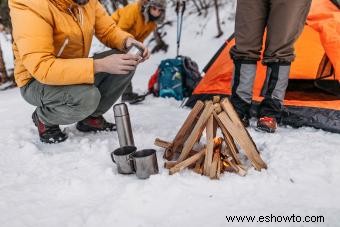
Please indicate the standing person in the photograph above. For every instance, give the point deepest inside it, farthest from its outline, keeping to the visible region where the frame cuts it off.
(284, 21)
(139, 19)
(52, 39)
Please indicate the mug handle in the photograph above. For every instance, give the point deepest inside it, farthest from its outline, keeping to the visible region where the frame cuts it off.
(130, 158)
(113, 159)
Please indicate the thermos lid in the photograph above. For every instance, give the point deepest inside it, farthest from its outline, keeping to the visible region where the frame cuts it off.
(120, 109)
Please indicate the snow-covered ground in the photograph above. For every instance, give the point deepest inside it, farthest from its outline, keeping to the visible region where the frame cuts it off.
(75, 183)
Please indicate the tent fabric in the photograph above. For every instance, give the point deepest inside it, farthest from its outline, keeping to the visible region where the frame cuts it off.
(318, 45)
(295, 116)
(324, 17)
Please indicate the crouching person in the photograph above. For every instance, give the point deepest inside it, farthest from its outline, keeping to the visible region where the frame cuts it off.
(52, 40)
(140, 19)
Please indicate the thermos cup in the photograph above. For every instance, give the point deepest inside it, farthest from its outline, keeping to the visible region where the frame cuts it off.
(123, 125)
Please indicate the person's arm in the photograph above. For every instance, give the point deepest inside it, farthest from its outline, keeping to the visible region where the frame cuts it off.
(107, 31)
(33, 35)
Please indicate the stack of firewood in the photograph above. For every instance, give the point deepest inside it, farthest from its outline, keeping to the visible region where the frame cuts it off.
(219, 153)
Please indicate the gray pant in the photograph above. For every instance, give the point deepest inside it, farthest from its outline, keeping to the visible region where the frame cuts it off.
(62, 105)
(128, 89)
(284, 20)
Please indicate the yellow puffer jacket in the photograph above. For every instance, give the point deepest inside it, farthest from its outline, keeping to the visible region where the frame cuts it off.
(52, 39)
(130, 19)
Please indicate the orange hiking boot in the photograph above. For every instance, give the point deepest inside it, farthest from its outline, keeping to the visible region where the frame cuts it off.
(267, 124)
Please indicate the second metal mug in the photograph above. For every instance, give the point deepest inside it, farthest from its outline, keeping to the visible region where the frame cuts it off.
(145, 163)
(123, 160)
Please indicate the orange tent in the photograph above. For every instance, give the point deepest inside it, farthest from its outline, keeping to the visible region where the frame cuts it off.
(313, 95)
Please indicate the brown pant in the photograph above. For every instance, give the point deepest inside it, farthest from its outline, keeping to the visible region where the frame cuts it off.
(284, 20)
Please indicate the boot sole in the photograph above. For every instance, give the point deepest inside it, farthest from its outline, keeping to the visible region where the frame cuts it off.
(51, 141)
(44, 140)
(264, 129)
(84, 128)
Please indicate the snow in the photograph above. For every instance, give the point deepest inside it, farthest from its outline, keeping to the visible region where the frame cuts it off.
(75, 183)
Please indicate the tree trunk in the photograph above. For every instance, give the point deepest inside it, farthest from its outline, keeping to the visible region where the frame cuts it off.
(3, 72)
(219, 30)
(5, 20)
(197, 7)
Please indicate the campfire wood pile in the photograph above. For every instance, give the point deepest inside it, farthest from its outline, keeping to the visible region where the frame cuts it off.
(219, 154)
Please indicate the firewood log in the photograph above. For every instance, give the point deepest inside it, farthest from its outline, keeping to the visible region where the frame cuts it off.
(199, 127)
(162, 143)
(216, 99)
(243, 141)
(214, 164)
(169, 164)
(182, 165)
(228, 138)
(217, 108)
(231, 121)
(210, 145)
(199, 165)
(187, 127)
(237, 169)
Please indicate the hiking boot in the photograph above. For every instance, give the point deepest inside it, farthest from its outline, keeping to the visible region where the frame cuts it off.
(47, 133)
(94, 124)
(267, 124)
(132, 98)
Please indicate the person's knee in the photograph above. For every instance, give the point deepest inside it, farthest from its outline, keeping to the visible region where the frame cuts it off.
(87, 101)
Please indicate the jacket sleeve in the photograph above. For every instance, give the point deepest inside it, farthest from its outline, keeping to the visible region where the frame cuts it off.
(33, 35)
(107, 31)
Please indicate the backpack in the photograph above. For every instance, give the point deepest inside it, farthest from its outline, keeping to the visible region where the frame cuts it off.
(175, 78)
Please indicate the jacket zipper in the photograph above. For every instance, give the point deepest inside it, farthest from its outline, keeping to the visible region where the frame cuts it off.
(63, 47)
(79, 18)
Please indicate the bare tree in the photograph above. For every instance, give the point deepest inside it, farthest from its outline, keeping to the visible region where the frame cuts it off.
(219, 29)
(3, 72)
(198, 8)
(5, 23)
(5, 19)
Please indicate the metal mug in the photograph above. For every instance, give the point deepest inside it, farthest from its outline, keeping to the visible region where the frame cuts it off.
(145, 163)
(122, 157)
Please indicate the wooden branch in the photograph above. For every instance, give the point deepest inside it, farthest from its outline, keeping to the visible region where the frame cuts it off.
(229, 109)
(215, 126)
(182, 165)
(214, 164)
(169, 164)
(210, 145)
(185, 130)
(217, 108)
(244, 141)
(228, 139)
(216, 99)
(199, 127)
(237, 168)
(219, 169)
(162, 143)
(188, 126)
(199, 165)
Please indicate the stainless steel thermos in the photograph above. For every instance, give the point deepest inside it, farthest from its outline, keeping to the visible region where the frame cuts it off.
(123, 124)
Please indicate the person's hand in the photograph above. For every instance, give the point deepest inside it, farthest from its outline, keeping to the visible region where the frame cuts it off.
(146, 53)
(116, 64)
